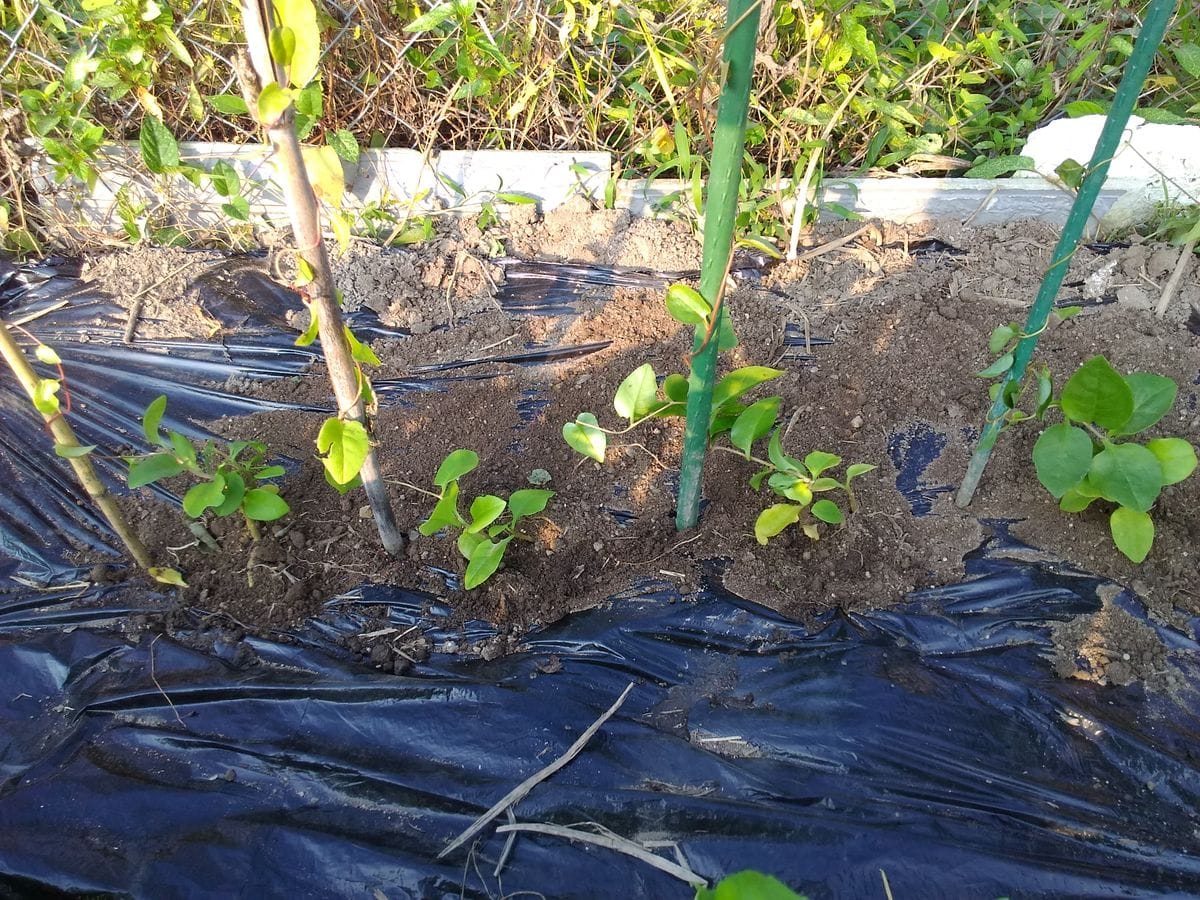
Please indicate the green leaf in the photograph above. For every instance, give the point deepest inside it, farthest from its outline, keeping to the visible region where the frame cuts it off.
(310, 333)
(1175, 456)
(45, 396)
(431, 19)
(149, 469)
(152, 420)
(1000, 165)
(739, 381)
(228, 104)
(300, 16)
(166, 575)
(828, 511)
(235, 492)
(73, 451)
(675, 387)
(1188, 57)
(584, 436)
(1076, 499)
(1001, 337)
(1096, 393)
(791, 487)
(1127, 474)
(819, 485)
(1045, 392)
(1153, 395)
(686, 306)
(818, 461)
(752, 424)
(445, 513)
(778, 458)
(47, 355)
(528, 502)
(360, 351)
(225, 179)
(263, 505)
(343, 446)
(485, 560)
(270, 472)
(203, 495)
(756, 479)
(1132, 532)
(1084, 108)
(1071, 173)
(467, 542)
(272, 102)
(856, 469)
(1062, 457)
(772, 520)
(185, 450)
(282, 42)
(160, 151)
(238, 209)
(344, 145)
(638, 393)
(999, 367)
(455, 466)
(485, 510)
(748, 885)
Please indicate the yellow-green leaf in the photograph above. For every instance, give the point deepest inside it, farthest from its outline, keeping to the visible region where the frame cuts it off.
(301, 17)
(165, 575)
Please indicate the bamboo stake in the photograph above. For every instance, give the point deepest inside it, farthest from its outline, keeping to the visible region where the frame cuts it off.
(720, 211)
(1154, 25)
(65, 435)
(304, 215)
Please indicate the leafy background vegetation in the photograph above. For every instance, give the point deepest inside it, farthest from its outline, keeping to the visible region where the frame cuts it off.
(913, 86)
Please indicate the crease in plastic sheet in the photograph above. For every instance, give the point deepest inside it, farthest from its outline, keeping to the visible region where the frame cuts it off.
(931, 741)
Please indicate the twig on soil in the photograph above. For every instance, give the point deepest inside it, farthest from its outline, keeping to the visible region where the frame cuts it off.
(520, 791)
(610, 842)
(673, 548)
(138, 300)
(832, 245)
(154, 678)
(1168, 293)
(494, 344)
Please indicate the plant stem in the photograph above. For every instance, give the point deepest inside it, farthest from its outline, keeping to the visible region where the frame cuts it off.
(740, 455)
(65, 435)
(720, 211)
(304, 216)
(1154, 25)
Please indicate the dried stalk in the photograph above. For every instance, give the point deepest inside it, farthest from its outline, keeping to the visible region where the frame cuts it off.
(65, 435)
(304, 215)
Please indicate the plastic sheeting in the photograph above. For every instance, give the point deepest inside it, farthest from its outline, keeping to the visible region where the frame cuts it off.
(932, 741)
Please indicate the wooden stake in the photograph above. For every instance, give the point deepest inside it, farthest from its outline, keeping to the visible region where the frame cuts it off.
(304, 215)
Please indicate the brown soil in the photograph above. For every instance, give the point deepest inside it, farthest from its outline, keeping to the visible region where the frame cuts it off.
(908, 323)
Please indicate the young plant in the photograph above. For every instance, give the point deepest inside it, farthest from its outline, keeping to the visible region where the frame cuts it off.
(483, 539)
(1089, 457)
(800, 482)
(231, 478)
(640, 398)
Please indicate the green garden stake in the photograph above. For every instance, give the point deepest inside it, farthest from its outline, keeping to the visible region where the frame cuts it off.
(720, 210)
(1154, 26)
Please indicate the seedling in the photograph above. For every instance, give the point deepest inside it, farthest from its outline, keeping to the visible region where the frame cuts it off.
(640, 398)
(1088, 457)
(1002, 344)
(484, 538)
(232, 477)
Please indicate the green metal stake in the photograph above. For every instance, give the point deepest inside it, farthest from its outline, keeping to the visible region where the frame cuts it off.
(720, 210)
(1153, 27)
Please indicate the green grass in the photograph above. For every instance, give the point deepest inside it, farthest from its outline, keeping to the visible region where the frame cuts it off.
(915, 86)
